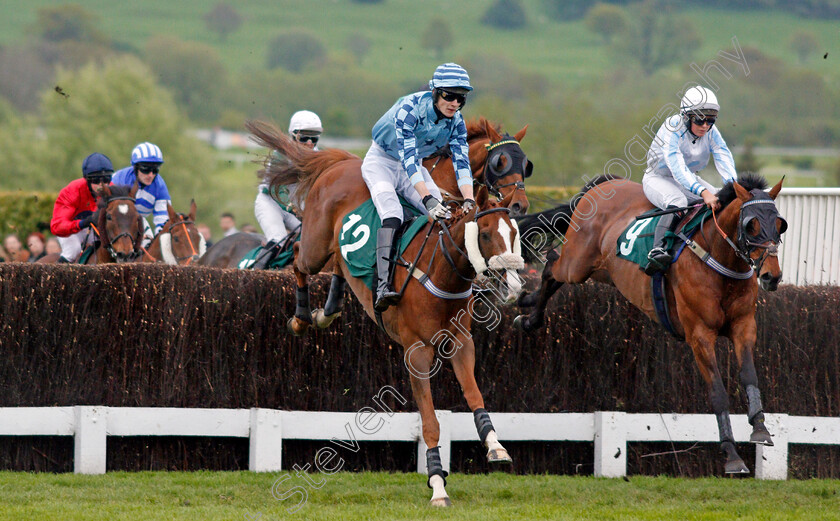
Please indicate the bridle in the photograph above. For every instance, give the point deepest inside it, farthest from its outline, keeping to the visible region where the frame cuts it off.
(509, 149)
(168, 229)
(744, 245)
(445, 232)
(136, 241)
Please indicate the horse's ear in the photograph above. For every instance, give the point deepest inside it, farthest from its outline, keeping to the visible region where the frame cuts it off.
(519, 135)
(741, 192)
(776, 189)
(192, 210)
(134, 189)
(490, 131)
(105, 191)
(171, 212)
(481, 197)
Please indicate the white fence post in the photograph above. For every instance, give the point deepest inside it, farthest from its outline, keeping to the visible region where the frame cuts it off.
(772, 462)
(265, 451)
(610, 444)
(90, 439)
(445, 442)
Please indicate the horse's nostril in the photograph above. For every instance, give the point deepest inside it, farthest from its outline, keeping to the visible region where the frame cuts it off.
(766, 276)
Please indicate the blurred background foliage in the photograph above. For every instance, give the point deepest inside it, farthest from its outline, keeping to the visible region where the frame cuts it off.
(586, 77)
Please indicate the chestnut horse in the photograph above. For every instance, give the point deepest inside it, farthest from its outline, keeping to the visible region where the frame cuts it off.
(709, 300)
(504, 175)
(119, 228)
(178, 242)
(468, 244)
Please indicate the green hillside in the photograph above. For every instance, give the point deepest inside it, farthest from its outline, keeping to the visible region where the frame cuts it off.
(565, 52)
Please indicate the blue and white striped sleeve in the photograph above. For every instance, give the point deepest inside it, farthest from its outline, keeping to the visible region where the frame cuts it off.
(404, 123)
(676, 164)
(461, 153)
(162, 199)
(724, 162)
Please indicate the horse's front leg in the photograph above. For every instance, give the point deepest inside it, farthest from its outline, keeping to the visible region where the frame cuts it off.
(335, 302)
(298, 324)
(419, 357)
(463, 362)
(702, 342)
(548, 287)
(743, 336)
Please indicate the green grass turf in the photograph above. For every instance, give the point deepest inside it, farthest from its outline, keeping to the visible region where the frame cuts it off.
(212, 496)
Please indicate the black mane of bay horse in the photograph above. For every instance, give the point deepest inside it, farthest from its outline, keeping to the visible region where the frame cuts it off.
(704, 303)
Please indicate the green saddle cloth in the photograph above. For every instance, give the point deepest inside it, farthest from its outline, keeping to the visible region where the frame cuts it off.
(87, 253)
(283, 259)
(358, 238)
(636, 241)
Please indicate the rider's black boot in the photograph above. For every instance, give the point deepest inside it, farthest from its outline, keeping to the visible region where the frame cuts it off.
(267, 254)
(385, 294)
(659, 256)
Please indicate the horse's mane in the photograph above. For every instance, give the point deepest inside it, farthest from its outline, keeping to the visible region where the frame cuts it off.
(116, 191)
(750, 181)
(476, 130)
(303, 166)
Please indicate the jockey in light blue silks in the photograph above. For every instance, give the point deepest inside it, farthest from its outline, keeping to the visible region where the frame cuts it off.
(416, 126)
(274, 212)
(681, 148)
(152, 196)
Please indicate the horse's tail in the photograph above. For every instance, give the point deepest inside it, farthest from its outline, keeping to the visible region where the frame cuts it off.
(302, 165)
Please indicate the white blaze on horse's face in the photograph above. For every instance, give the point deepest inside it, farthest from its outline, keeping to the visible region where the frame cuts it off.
(508, 261)
(122, 208)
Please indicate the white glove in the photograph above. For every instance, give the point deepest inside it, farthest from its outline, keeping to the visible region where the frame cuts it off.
(435, 208)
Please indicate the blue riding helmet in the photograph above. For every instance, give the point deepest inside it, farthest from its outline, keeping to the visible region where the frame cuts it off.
(146, 153)
(450, 75)
(95, 164)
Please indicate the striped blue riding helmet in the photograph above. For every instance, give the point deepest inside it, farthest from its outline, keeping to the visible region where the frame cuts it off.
(450, 75)
(146, 153)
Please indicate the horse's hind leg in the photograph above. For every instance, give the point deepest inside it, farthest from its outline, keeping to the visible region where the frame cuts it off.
(463, 362)
(298, 324)
(702, 342)
(743, 337)
(548, 287)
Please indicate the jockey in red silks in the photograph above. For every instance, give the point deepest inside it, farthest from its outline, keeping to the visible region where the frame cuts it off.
(75, 207)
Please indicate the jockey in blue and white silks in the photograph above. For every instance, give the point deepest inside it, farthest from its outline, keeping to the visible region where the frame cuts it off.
(152, 196)
(682, 148)
(414, 127)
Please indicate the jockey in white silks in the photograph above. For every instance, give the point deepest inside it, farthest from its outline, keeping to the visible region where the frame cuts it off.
(681, 148)
(274, 212)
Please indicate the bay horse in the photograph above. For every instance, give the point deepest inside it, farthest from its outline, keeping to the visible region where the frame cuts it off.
(178, 242)
(333, 184)
(119, 228)
(504, 175)
(708, 301)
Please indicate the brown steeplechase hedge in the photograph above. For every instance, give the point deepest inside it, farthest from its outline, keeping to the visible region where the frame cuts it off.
(148, 335)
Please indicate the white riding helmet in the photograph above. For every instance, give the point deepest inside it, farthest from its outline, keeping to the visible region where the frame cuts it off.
(699, 100)
(305, 120)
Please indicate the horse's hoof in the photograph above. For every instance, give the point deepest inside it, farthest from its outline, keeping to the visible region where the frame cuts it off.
(525, 300)
(321, 320)
(736, 466)
(761, 437)
(518, 322)
(498, 456)
(296, 326)
(440, 502)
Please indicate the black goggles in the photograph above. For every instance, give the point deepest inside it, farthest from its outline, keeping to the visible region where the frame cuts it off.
(148, 169)
(451, 96)
(99, 178)
(305, 139)
(700, 121)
